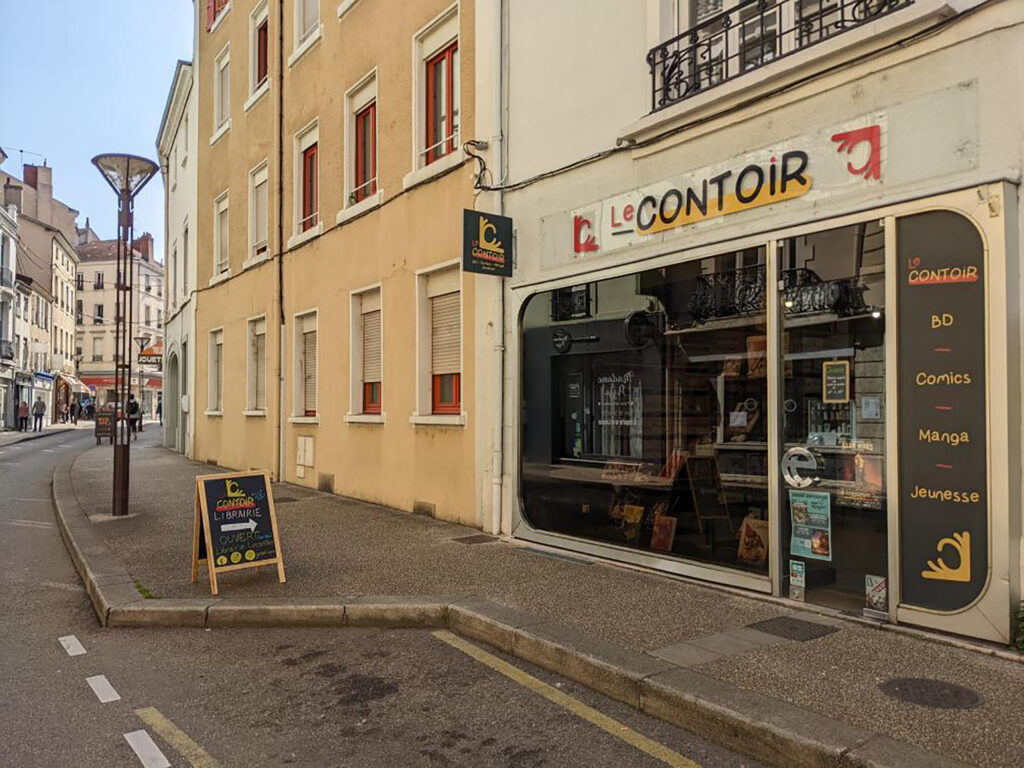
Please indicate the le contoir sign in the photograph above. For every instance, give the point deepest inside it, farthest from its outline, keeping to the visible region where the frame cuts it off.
(780, 178)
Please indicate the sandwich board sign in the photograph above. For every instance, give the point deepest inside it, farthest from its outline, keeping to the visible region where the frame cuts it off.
(235, 525)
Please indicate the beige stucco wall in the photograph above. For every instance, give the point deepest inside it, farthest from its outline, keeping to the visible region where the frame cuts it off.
(395, 462)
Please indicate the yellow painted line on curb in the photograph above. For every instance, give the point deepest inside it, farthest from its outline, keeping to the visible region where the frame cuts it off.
(177, 738)
(614, 727)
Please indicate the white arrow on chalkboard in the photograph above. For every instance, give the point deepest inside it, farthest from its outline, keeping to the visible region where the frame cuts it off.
(251, 525)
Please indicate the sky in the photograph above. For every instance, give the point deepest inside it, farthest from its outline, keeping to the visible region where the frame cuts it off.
(84, 77)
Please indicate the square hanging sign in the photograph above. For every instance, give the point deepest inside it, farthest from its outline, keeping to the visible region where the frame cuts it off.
(486, 243)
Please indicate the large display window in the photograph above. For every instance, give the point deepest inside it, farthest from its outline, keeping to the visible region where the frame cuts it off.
(644, 411)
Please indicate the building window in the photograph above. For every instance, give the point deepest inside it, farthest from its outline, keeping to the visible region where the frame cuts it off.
(307, 18)
(173, 296)
(78, 311)
(366, 152)
(257, 365)
(80, 282)
(440, 342)
(216, 376)
(258, 200)
(148, 282)
(97, 314)
(367, 352)
(159, 319)
(442, 116)
(306, 365)
(97, 281)
(97, 348)
(149, 319)
(222, 89)
(184, 260)
(260, 48)
(309, 189)
(220, 242)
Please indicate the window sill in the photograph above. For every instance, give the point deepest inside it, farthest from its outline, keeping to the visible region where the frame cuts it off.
(436, 168)
(438, 419)
(304, 420)
(220, 17)
(254, 414)
(224, 128)
(305, 45)
(345, 7)
(358, 209)
(213, 413)
(254, 261)
(257, 95)
(364, 418)
(301, 237)
(220, 278)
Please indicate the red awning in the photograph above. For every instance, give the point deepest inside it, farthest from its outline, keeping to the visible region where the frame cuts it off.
(155, 383)
(98, 382)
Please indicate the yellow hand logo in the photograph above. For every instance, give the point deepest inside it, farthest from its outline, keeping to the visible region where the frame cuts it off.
(233, 489)
(961, 543)
(489, 237)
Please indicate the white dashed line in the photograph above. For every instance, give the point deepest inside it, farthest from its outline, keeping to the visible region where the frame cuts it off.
(47, 450)
(103, 689)
(71, 645)
(29, 523)
(146, 750)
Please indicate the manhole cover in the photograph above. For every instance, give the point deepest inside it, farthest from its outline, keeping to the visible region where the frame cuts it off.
(925, 692)
(793, 629)
(284, 499)
(477, 538)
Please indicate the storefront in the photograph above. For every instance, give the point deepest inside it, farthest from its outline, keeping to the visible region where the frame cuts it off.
(821, 409)
(42, 387)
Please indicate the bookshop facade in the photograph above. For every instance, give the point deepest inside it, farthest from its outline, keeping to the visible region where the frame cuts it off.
(791, 371)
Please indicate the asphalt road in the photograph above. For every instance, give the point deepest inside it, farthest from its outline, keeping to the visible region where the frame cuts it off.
(349, 697)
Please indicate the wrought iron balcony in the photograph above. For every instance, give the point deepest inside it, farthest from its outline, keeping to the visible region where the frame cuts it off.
(749, 35)
(6, 350)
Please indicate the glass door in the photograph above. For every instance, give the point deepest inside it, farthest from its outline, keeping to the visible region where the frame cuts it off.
(832, 452)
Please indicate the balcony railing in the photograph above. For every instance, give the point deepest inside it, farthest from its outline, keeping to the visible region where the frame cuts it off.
(6, 350)
(747, 36)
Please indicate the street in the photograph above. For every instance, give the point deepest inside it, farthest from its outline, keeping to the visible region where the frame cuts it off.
(303, 697)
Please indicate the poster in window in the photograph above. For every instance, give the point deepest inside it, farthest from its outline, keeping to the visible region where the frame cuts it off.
(753, 546)
(811, 514)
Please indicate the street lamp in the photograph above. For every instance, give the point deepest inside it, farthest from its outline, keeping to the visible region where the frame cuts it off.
(126, 175)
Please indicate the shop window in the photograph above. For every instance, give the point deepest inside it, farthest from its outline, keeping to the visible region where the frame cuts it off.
(645, 419)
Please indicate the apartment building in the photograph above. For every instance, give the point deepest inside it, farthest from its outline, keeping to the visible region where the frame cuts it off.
(336, 338)
(765, 325)
(177, 147)
(10, 305)
(96, 314)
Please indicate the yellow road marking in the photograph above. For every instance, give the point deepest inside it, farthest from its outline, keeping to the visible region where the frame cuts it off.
(177, 738)
(578, 708)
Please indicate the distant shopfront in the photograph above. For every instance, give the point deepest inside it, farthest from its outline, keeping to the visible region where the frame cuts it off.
(816, 410)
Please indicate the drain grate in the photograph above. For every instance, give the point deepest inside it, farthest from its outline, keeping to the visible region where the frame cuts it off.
(476, 538)
(925, 692)
(793, 629)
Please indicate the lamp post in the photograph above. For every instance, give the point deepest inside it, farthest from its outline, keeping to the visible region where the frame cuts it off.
(126, 175)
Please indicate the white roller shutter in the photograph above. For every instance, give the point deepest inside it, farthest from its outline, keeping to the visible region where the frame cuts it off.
(260, 362)
(309, 372)
(445, 334)
(371, 346)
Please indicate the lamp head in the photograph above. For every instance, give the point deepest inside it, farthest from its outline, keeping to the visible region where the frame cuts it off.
(126, 174)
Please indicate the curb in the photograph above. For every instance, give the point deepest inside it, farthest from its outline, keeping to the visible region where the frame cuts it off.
(769, 730)
(37, 435)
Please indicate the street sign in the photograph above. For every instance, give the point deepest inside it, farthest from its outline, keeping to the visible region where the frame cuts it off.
(145, 359)
(486, 243)
(235, 525)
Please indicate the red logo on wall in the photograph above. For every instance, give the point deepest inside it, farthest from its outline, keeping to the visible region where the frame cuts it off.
(583, 240)
(850, 140)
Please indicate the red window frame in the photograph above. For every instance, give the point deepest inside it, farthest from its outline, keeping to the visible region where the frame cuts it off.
(372, 396)
(261, 53)
(366, 167)
(445, 58)
(438, 404)
(309, 188)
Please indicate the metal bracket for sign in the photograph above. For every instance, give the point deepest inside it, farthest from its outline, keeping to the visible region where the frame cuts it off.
(202, 523)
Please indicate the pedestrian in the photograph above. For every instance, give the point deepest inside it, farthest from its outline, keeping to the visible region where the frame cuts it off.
(38, 411)
(76, 411)
(133, 415)
(64, 413)
(160, 411)
(23, 417)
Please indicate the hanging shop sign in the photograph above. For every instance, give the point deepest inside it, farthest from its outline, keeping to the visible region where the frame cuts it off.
(235, 525)
(943, 458)
(486, 243)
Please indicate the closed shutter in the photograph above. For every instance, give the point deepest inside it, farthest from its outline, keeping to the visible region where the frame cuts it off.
(218, 375)
(371, 346)
(309, 372)
(260, 361)
(445, 334)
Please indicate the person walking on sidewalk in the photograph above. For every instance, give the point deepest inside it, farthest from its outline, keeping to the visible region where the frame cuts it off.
(76, 410)
(133, 415)
(160, 411)
(38, 411)
(23, 417)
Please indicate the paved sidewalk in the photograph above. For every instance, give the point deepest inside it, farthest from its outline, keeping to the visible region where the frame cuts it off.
(11, 437)
(339, 547)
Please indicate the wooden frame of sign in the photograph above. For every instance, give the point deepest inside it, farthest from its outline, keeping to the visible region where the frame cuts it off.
(202, 524)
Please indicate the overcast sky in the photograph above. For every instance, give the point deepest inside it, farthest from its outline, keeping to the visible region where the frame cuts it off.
(83, 77)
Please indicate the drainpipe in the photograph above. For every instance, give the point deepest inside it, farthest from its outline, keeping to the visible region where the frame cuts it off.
(497, 103)
(280, 240)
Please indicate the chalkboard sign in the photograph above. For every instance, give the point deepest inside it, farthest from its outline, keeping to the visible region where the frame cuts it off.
(104, 426)
(943, 457)
(835, 381)
(235, 525)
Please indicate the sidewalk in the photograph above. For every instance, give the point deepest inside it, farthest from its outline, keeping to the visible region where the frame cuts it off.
(12, 437)
(337, 547)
